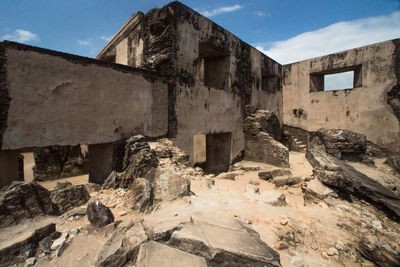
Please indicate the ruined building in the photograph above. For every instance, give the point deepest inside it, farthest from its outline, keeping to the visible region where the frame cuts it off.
(174, 73)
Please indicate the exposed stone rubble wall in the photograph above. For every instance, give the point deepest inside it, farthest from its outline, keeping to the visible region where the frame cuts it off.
(59, 161)
(80, 102)
(260, 129)
(370, 108)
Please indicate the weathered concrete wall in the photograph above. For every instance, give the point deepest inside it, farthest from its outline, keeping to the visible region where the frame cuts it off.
(61, 99)
(364, 109)
(180, 43)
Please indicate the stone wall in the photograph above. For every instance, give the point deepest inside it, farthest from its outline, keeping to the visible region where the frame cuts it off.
(366, 109)
(62, 99)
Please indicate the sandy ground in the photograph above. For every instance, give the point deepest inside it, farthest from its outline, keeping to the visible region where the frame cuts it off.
(316, 227)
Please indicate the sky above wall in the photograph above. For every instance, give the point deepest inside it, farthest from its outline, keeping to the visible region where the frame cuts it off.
(287, 31)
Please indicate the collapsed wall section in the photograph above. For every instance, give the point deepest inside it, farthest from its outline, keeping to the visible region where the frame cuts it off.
(61, 99)
(364, 108)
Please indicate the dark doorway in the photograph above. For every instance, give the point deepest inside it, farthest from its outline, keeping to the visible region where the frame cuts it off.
(218, 152)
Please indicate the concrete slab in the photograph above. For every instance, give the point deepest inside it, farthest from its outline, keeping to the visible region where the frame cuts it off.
(156, 254)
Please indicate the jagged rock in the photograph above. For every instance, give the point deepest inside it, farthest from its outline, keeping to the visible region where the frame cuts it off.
(263, 121)
(169, 184)
(281, 181)
(18, 249)
(141, 164)
(138, 197)
(343, 144)
(22, 200)
(69, 197)
(92, 187)
(317, 189)
(348, 181)
(59, 161)
(122, 246)
(394, 162)
(270, 174)
(98, 214)
(45, 244)
(132, 146)
(30, 262)
(240, 246)
(156, 254)
(113, 181)
(380, 251)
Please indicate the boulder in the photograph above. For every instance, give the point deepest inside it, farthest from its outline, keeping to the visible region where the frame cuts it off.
(70, 197)
(23, 200)
(121, 247)
(138, 196)
(271, 173)
(169, 184)
(343, 144)
(157, 254)
(98, 214)
(346, 180)
(289, 181)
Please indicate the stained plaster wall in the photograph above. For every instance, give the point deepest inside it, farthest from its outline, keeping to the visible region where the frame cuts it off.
(60, 99)
(363, 109)
(167, 40)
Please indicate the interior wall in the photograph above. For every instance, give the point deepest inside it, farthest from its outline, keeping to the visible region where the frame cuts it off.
(364, 109)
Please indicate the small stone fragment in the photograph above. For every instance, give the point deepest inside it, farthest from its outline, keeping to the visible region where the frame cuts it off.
(30, 262)
(283, 221)
(252, 189)
(98, 214)
(314, 246)
(324, 255)
(281, 245)
(332, 251)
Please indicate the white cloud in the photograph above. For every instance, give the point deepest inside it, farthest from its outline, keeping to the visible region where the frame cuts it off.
(105, 38)
(220, 10)
(262, 14)
(83, 42)
(21, 36)
(334, 38)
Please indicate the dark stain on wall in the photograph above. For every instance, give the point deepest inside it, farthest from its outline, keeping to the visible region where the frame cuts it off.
(299, 113)
(4, 96)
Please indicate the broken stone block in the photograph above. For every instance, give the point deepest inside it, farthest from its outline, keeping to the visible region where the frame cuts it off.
(98, 214)
(113, 181)
(121, 246)
(23, 200)
(138, 196)
(380, 251)
(270, 174)
(169, 184)
(319, 190)
(240, 245)
(156, 254)
(289, 181)
(69, 197)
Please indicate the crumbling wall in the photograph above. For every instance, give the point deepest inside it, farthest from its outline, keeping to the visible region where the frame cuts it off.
(61, 99)
(363, 109)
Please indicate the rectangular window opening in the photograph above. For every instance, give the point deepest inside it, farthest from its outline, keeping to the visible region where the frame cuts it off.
(269, 82)
(214, 66)
(342, 79)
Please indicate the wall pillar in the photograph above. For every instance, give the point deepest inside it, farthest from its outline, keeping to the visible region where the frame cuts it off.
(9, 170)
(100, 162)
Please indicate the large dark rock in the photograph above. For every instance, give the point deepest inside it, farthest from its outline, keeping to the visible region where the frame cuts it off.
(348, 181)
(23, 200)
(381, 250)
(139, 195)
(69, 197)
(98, 214)
(343, 144)
(59, 161)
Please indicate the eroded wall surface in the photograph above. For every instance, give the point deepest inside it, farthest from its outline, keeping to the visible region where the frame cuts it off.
(363, 109)
(176, 41)
(59, 99)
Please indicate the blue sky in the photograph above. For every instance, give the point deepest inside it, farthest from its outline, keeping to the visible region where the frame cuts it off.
(285, 30)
